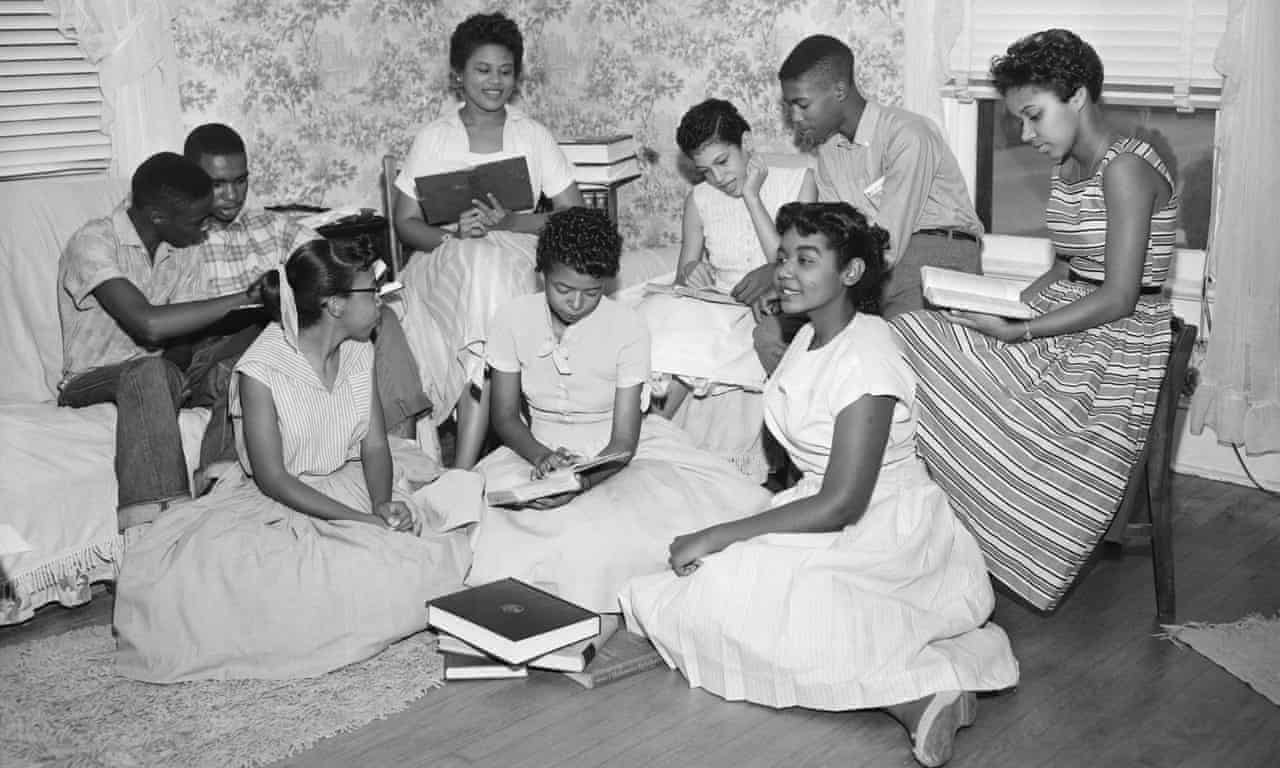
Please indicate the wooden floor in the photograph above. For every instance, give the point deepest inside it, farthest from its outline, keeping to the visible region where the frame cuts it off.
(1098, 689)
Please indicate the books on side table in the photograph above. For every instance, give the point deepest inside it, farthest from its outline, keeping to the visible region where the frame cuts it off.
(953, 289)
(599, 150)
(602, 160)
(564, 480)
(444, 197)
(511, 620)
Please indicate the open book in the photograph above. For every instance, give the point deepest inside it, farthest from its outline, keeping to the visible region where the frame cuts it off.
(444, 197)
(563, 480)
(973, 293)
(713, 295)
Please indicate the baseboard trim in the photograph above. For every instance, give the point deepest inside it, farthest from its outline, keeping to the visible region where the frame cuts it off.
(1203, 456)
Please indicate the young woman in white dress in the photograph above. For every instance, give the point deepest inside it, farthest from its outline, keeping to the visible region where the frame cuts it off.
(462, 273)
(857, 588)
(704, 348)
(315, 556)
(579, 361)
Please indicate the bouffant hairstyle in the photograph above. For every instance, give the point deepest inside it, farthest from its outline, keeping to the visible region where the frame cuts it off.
(820, 54)
(316, 270)
(712, 120)
(167, 180)
(583, 239)
(1054, 60)
(851, 236)
(485, 29)
(214, 139)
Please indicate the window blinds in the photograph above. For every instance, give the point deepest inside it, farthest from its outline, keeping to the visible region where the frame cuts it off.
(50, 100)
(1154, 52)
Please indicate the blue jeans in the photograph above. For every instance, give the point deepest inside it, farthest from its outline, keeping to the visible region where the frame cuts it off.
(147, 392)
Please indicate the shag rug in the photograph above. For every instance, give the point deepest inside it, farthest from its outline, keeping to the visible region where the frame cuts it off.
(1248, 648)
(63, 704)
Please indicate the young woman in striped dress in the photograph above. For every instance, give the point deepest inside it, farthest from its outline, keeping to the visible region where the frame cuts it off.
(1033, 426)
(314, 557)
(857, 588)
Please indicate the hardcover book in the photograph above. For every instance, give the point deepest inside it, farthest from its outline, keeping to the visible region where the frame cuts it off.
(571, 658)
(560, 481)
(604, 175)
(973, 293)
(599, 150)
(444, 197)
(625, 654)
(512, 620)
(482, 667)
(712, 295)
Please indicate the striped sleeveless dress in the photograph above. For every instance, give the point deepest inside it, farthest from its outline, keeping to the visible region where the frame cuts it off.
(1034, 441)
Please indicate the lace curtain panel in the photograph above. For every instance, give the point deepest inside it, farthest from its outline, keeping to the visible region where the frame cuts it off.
(131, 44)
(1239, 392)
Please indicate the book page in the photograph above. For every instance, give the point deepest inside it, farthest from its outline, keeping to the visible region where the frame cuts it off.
(973, 293)
(712, 295)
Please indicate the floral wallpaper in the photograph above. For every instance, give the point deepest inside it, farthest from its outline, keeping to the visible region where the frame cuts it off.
(322, 89)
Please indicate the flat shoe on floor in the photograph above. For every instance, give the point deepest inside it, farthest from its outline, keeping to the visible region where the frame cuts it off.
(946, 713)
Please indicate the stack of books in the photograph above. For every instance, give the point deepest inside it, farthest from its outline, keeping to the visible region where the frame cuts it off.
(602, 161)
(503, 629)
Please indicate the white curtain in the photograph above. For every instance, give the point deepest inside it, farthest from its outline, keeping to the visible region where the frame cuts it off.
(930, 29)
(1239, 392)
(131, 44)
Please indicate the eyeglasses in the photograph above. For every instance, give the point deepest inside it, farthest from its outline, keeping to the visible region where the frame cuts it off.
(379, 291)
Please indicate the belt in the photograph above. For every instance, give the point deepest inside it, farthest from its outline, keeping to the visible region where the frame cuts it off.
(1146, 290)
(950, 234)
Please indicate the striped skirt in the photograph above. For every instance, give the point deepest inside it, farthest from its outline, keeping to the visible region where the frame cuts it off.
(450, 295)
(1034, 442)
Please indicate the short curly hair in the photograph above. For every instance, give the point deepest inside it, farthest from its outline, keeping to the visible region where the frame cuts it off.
(583, 239)
(485, 29)
(822, 55)
(712, 120)
(851, 236)
(1054, 60)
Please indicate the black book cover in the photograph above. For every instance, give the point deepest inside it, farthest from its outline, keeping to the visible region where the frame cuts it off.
(444, 197)
(512, 609)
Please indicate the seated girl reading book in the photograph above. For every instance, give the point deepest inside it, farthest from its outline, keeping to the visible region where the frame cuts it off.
(461, 273)
(579, 361)
(702, 347)
(857, 588)
(315, 556)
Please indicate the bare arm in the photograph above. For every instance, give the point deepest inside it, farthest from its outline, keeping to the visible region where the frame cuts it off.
(375, 452)
(152, 325)
(532, 223)
(692, 241)
(412, 229)
(625, 435)
(266, 459)
(861, 433)
(1059, 270)
(504, 414)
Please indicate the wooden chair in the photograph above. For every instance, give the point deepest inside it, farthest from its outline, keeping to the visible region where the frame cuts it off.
(391, 167)
(1148, 491)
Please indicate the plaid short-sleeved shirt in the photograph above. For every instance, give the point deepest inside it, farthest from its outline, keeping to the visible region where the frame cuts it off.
(102, 250)
(235, 254)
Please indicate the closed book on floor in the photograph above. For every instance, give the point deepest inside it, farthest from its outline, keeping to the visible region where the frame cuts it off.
(625, 654)
(953, 289)
(512, 620)
(468, 667)
(571, 658)
(443, 197)
(599, 150)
